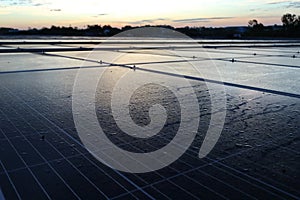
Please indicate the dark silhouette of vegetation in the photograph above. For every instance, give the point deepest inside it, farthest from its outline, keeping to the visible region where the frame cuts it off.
(290, 28)
(291, 24)
(255, 25)
(255, 28)
(289, 20)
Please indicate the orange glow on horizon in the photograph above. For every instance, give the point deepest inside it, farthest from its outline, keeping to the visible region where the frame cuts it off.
(208, 13)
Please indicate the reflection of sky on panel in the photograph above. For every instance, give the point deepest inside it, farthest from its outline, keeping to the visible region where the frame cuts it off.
(261, 128)
(11, 62)
(270, 68)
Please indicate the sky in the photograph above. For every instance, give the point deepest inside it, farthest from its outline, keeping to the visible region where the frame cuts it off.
(24, 14)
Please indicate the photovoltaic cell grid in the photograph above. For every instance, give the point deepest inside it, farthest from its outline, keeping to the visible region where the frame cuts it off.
(42, 156)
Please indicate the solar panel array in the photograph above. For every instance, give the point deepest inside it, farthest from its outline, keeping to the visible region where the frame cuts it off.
(257, 156)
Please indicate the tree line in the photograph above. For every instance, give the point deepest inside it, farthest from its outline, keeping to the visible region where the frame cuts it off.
(290, 28)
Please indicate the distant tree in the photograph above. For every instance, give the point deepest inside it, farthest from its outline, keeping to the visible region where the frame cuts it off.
(255, 25)
(127, 27)
(290, 28)
(94, 30)
(291, 24)
(255, 28)
(252, 23)
(166, 26)
(290, 20)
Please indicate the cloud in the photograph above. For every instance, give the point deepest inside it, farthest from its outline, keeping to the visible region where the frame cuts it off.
(286, 4)
(148, 21)
(99, 15)
(161, 19)
(55, 10)
(15, 2)
(203, 19)
(34, 3)
(188, 20)
(275, 5)
(276, 2)
(295, 4)
(38, 4)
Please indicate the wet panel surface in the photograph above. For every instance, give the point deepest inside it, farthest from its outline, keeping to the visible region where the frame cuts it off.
(257, 155)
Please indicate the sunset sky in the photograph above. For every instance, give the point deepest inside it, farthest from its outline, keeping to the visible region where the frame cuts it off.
(44, 13)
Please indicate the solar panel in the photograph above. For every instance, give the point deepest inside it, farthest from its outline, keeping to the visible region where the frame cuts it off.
(44, 157)
(1, 195)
